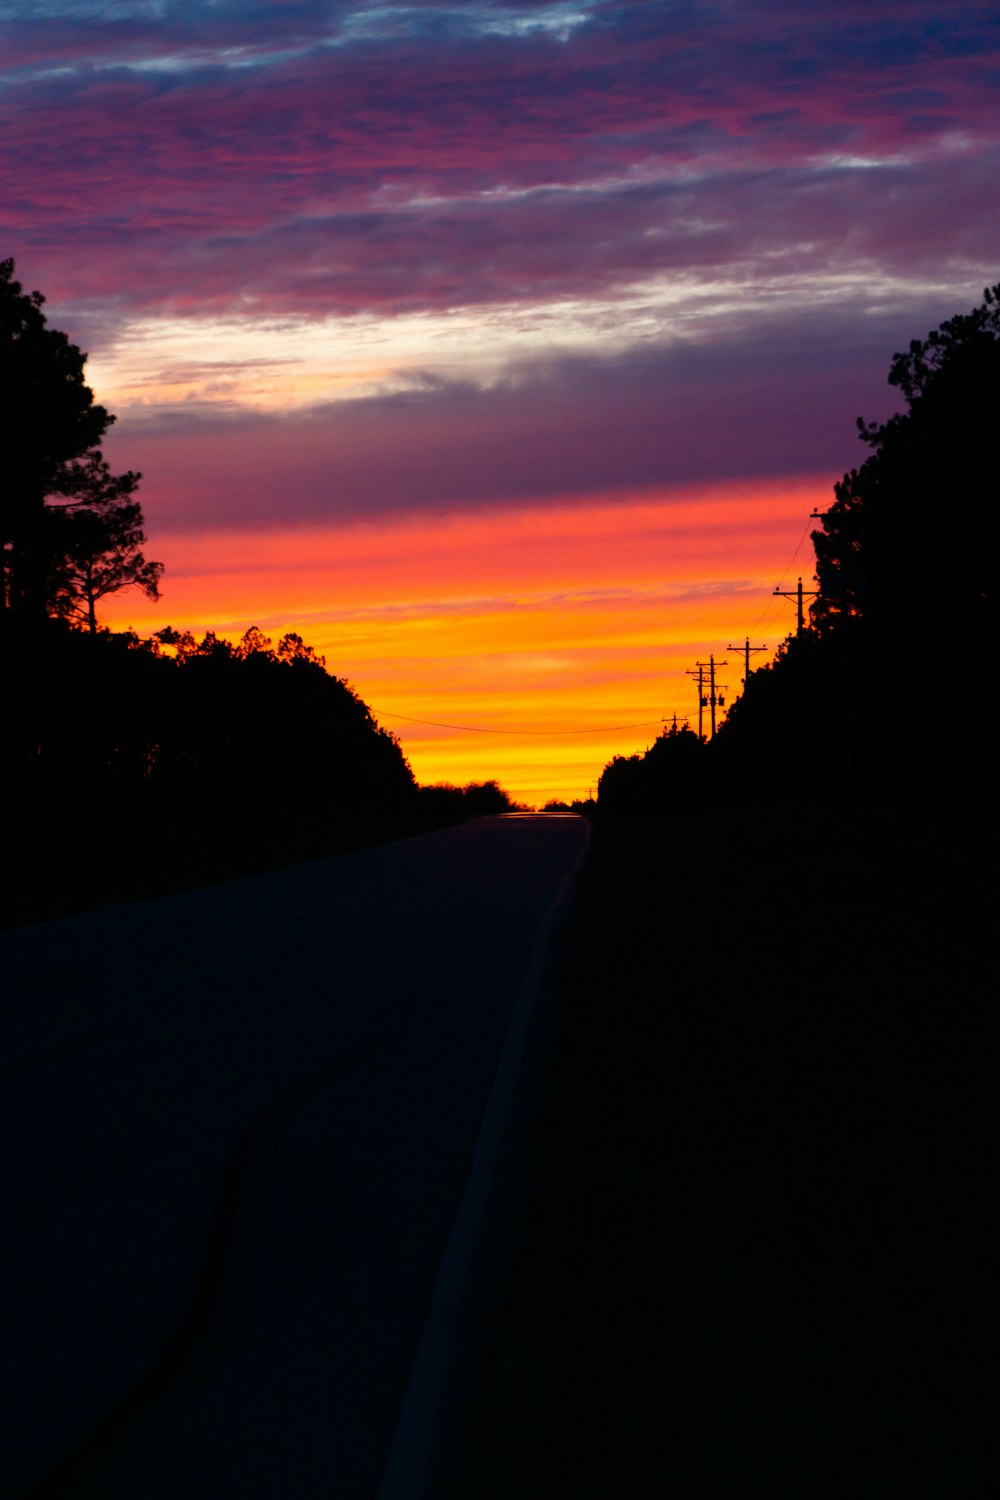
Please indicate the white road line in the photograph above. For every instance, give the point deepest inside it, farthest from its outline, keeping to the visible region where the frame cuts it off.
(407, 1469)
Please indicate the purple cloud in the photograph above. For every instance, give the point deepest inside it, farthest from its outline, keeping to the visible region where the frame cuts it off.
(829, 170)
(780, 403)
(248, 157)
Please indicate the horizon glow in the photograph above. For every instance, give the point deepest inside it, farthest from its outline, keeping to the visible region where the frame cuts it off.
(500, 349)
(535, 645)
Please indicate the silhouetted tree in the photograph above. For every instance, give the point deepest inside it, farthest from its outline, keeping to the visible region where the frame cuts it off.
(182, 642)
(795, 725)
(483, 798)
(215, 646)
(255, 643)
(908, 596)
(98, 554)
(52, 473)
(620, 784)
(292, 648)
(476, 800)
(905, 556)
(912, 534)
(217, 758)
(672, 768)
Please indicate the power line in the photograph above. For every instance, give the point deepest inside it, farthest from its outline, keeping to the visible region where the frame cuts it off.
(795, 554)
(788, 569)
(714, 697)
(798, 595)
(479, 729)
(748, 651)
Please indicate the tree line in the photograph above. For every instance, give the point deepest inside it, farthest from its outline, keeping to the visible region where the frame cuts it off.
(70, 530)
(892, 673)
(85, 709)
(136, 764)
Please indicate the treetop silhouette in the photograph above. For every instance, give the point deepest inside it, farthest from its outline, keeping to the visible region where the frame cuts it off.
(907, 599)
(923, 505)
(70, 531)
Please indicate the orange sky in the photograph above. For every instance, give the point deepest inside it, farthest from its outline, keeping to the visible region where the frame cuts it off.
(539, 622)
(482, 397)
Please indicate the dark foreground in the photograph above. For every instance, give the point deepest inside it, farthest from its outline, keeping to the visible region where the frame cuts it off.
(160, 849)
(241, 1129)
(756, 1262)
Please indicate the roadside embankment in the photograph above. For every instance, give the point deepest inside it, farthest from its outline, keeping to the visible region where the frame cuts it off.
(755, 1261)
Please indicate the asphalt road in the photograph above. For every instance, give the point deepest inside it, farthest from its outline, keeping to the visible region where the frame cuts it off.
(238, 1129)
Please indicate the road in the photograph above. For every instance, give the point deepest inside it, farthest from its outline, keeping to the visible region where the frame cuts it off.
(238, 1128)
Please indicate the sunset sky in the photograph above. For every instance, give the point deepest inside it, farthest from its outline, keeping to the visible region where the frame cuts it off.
(500, 349)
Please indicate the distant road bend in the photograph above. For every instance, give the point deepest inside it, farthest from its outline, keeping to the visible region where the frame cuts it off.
(239, 1128)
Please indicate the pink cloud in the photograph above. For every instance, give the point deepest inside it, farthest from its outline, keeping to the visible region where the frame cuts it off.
(341, 179)
(783, 402)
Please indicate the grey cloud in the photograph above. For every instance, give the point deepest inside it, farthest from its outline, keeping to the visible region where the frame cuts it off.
(780, 403)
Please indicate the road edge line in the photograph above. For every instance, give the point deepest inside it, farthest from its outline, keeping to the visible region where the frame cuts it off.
(418, 1429)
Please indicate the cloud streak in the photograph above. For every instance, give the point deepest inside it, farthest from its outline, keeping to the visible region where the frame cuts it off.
(425, 274)
(778, 400)
(293, 158)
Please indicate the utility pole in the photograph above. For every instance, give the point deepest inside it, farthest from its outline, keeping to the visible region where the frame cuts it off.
(710, 699)
(674, 723)
(798, 594)
(747, 650)
(713, 696)
(699, 672)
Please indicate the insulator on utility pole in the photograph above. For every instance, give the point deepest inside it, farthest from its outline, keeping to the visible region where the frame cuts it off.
(710, 699)
(748, 651)
(699, 672)
(673, 725)
(798, 594)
